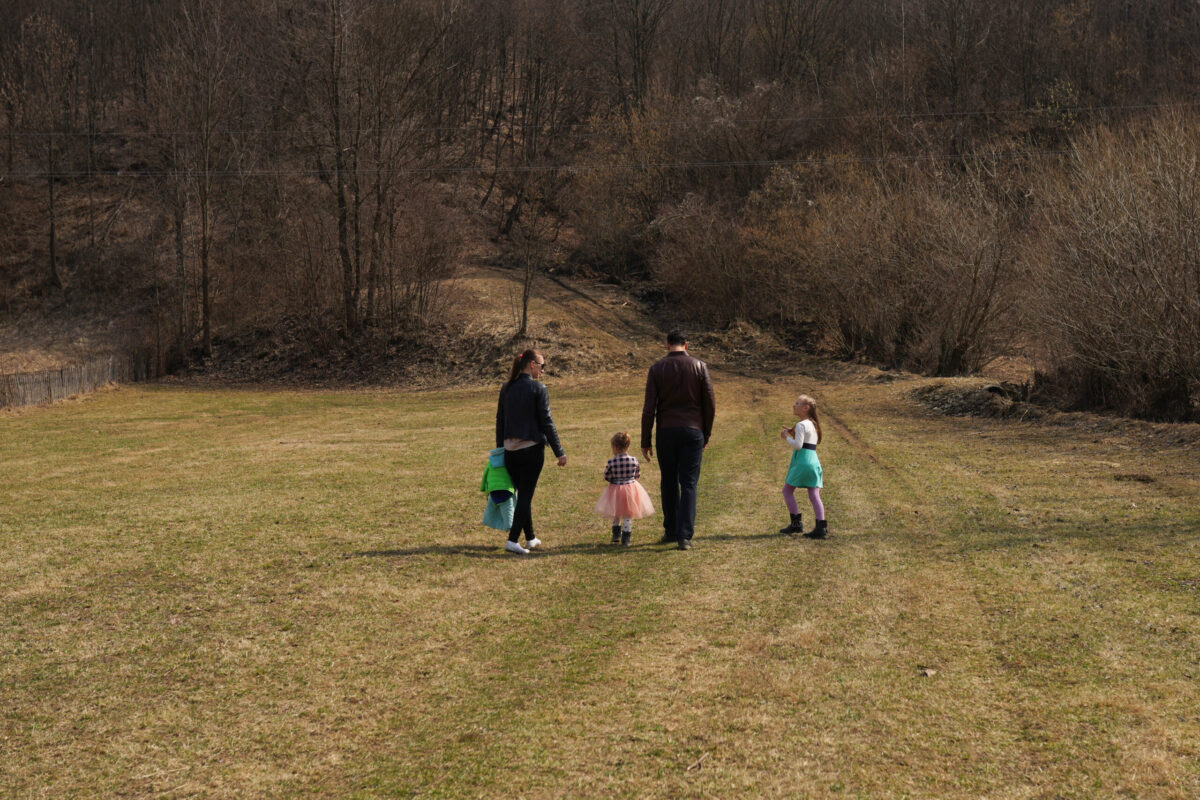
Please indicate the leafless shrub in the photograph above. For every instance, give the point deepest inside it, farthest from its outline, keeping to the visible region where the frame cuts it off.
(711, 146)
(423, 259)
(312, 273)
(866, 271)
(1118, 276)
(971, 225)
(620, 190)
(702, 265)
(783, 229)
(912, 273)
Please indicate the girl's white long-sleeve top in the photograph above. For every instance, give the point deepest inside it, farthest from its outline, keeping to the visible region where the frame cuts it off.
(804, 433)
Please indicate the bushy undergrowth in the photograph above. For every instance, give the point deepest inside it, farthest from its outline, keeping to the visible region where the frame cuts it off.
(1088, 265)
(1116, 285)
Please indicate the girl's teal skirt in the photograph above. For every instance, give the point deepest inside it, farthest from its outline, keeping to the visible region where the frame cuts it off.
(805, 470)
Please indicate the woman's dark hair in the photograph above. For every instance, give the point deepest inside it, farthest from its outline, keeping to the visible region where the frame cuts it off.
(520, 362)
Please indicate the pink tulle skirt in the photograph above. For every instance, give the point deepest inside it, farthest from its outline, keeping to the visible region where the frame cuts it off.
(624, 500)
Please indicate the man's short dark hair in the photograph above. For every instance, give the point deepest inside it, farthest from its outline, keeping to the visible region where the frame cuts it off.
(676, 337)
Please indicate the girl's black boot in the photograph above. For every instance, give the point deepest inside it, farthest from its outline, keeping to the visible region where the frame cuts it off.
(616, 534)
(819, 532)
(794, 526)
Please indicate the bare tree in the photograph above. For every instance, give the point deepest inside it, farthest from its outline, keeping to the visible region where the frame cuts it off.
(42, 98)
(378, 75)
(955, 35)
(633, 30)
(195, 86)
(709, 40)
(9, 99)
(796, 38)
(541, 97)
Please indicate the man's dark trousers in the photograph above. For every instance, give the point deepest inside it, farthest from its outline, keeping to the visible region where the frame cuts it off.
(679, 454)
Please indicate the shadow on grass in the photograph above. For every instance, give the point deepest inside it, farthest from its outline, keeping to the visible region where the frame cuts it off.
(1112, 536)
(498, 551)
(599, 548)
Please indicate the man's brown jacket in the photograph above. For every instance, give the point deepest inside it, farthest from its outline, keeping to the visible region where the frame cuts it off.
(679, 394)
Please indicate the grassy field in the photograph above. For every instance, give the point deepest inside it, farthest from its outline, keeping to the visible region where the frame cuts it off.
(285, 594)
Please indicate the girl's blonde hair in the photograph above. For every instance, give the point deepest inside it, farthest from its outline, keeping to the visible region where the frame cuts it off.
(620, 441)
(807, 400)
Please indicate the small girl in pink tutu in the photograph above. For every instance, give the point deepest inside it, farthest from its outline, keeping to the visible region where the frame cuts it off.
(624, 500)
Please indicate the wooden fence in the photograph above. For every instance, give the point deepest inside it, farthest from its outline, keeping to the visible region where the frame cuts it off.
(32, 388)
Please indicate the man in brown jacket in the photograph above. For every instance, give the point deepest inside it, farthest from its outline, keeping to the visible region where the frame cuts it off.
(679, 395)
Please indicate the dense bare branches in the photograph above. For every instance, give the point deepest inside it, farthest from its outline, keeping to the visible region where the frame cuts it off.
(808, 164)
(41, 95)
(196, 83)
(1118, 278)
(375, 69)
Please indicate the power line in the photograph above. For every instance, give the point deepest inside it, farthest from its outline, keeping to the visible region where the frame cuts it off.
(568, 168)
(983, 112)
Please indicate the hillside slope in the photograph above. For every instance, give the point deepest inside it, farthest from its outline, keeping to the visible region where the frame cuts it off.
(584, 325)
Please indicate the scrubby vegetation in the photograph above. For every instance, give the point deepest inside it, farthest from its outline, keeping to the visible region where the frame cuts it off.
(925, 185)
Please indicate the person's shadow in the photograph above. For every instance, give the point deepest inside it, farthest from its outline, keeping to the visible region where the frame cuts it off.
(498, 552)
(598, 548)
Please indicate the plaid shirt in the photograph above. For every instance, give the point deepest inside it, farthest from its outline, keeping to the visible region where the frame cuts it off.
(622, 469)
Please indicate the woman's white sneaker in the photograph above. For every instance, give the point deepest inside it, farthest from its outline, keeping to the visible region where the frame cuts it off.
(533, 544)
(514, 547)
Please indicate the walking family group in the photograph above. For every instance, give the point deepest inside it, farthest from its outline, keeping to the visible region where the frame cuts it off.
(677, 423)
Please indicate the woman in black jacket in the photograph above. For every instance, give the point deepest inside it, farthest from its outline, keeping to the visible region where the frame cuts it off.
(523, 428)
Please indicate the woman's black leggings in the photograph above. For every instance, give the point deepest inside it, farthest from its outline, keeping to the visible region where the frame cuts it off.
(524, 466)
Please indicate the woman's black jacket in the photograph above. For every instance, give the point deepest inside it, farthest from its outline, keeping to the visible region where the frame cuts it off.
(524, 413)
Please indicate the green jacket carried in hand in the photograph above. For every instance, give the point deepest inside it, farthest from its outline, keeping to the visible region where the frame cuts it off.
(501, 502)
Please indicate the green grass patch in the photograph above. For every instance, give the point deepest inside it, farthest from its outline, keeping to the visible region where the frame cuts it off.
(286, 594)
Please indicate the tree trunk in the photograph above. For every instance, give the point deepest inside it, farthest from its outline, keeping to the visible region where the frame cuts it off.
(527, 292)
(55, 280)
(205, 291)
(181, 268)
(204, 200)
(11, 139)
(349, 310)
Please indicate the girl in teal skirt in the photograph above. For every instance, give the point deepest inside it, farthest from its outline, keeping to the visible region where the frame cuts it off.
(804, 471)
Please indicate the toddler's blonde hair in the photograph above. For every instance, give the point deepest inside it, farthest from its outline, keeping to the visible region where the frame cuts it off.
(620, 441)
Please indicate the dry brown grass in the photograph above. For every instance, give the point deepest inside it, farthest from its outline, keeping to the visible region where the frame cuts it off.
(278, 594)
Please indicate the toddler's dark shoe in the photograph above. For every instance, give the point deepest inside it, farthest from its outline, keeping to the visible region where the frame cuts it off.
(616, 534)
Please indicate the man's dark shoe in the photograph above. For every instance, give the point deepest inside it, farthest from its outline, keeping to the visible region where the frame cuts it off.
(685, 544)
(668, 539)
(819, 532)
(616, 534)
